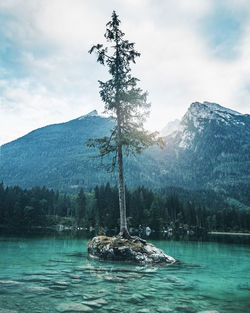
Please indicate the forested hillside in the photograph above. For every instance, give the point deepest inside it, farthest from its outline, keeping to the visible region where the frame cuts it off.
(57, 156)
(98, 209)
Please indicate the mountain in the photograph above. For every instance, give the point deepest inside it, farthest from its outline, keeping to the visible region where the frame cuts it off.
(52, 155)
(57, 156)
(208, 149)
(170, 128)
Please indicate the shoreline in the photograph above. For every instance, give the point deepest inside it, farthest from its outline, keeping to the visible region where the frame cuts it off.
(228, 233)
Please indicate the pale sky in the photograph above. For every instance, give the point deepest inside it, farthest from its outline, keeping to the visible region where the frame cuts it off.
(191, 50)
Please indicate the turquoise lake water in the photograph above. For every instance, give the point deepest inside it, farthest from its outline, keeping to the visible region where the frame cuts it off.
(55, 275)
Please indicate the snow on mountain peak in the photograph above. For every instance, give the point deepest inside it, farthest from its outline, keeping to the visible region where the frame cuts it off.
(210, 110)
(199, 114)
(92, 113)
(217, 107)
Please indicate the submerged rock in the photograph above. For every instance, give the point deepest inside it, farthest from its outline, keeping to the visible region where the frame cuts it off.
(131, 250)
(136, 298)
(75, 276)
(164, 310)
(42, 273)
(185, 308)
(73, 307)
(37, 289)
(61, 283)
(213, 311)
(92, 304)
(143, 311)
(102, 301)
(113, 279)
(95, 303)
(96, 296)
(76, 281)
(9, 283)
(58, 287)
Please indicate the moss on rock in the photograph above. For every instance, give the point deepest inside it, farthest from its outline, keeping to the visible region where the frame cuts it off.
(131, 250)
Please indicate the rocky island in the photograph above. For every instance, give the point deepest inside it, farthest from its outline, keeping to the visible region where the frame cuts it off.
(134, 250)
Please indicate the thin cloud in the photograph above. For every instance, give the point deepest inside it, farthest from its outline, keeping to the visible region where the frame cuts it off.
(47, 75)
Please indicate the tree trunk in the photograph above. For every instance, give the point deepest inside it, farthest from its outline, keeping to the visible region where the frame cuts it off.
(121, 186)
(122, 201)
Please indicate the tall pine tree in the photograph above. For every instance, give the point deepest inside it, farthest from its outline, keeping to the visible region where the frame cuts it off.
(126, 103)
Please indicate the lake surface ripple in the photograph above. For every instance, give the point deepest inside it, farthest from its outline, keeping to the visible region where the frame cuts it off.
(43, 275)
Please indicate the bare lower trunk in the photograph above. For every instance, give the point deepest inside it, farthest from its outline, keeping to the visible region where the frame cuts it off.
(122, 201)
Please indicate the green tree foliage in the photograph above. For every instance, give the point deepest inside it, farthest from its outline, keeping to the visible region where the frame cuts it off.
(125, 102)
(22, 208)
(81, 207)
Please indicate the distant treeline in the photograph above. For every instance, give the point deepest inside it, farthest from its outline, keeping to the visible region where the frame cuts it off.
(98, 209)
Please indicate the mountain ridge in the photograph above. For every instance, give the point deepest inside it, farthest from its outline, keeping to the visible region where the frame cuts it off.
(209, 149)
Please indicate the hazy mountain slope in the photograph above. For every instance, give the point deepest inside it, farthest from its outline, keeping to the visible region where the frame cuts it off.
(170, 128)
(57, 156)
(54, 155)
